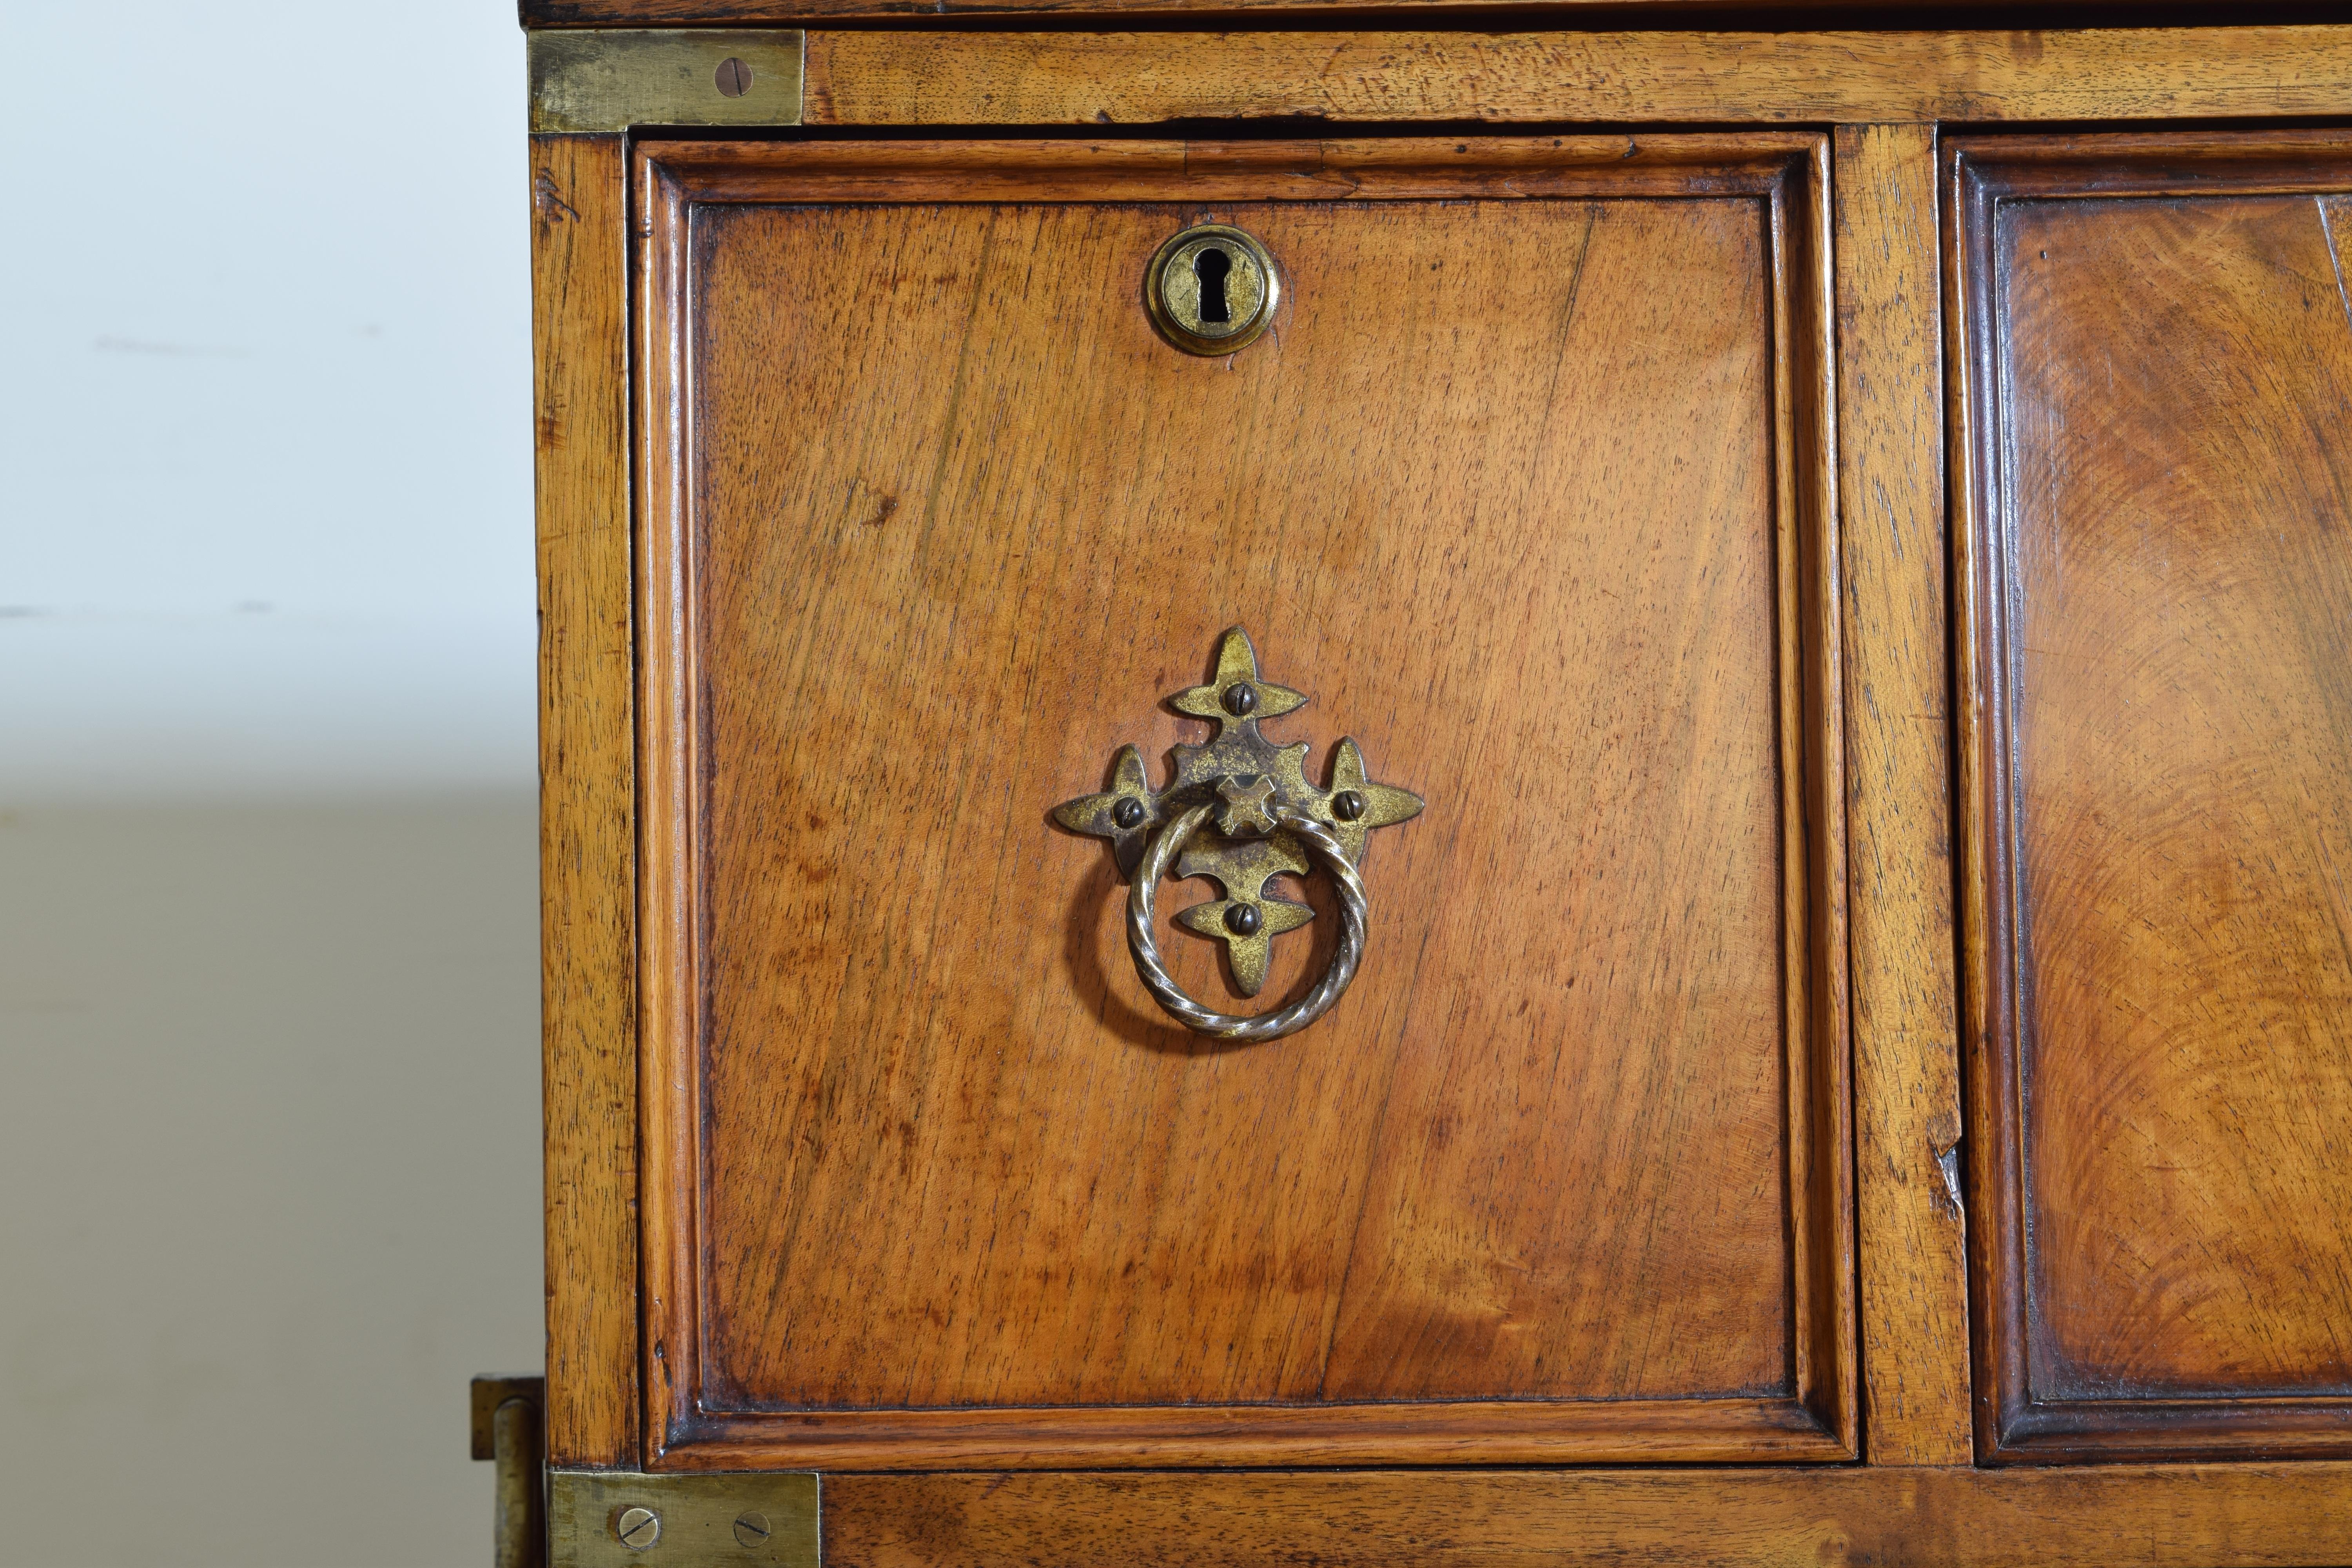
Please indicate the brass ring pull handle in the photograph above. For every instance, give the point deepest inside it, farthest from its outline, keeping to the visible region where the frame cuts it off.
(1269, 821)
(1145, 947)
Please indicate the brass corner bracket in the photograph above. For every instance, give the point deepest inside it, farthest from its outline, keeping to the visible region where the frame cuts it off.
(608, 1519)
(610, 79)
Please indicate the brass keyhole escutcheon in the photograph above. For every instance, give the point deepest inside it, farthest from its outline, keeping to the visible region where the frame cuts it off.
(1212, 290)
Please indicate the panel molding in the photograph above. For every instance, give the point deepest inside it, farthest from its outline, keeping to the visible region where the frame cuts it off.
(2013, 1423)
(1785, 172)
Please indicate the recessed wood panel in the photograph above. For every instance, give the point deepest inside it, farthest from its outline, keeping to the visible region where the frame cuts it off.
(2159, 344)
(1526, 489)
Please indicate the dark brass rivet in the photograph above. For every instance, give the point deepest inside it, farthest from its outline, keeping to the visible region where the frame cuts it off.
(734, 78)
(1242, 920)
(1241, 700)
(1347, 806)
(1127, 813)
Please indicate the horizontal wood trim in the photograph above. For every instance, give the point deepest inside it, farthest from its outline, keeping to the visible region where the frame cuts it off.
(1486, 168)
(2165, 1429)
(765, 13)
(2158, 163)
(1116, 78)
(2157, 1517)
(1701, 1431)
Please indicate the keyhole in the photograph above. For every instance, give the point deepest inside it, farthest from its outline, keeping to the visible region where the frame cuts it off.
(1211, 266)
(1210, 289)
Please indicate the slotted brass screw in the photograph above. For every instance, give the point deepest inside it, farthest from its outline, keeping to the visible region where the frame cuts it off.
(638, 1528)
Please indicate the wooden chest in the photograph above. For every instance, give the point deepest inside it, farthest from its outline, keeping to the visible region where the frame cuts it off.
(1445, 786)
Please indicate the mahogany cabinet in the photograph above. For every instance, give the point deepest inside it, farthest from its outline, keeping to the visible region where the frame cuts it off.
(1407, 786)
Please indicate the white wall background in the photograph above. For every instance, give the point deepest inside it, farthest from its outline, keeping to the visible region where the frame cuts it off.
(264, 427)
(269, 1073)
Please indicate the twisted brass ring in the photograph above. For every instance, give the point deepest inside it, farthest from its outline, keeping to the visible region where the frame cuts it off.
(1144, 890)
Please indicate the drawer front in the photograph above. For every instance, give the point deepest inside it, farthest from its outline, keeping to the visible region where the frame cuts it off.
(2156, 341)
(1526, 487)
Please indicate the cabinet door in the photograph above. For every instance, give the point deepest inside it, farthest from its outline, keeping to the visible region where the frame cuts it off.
(2155, 342)
(1526, 486)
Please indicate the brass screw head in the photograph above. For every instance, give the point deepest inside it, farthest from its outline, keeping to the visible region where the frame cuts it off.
(636, 1528)
(1347, 806)
(750, 1530)
(733, 78)
(1241, 700)
(1242, 920)
(1127, 814)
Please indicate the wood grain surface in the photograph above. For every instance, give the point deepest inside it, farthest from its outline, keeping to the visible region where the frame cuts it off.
(934, 522)
(1912, 1239)
(792, 13)
(587, 805)
(2216, 1515)
(885, 77)
(2158, 339)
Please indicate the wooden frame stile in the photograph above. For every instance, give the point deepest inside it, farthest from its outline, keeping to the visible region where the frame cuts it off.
(587, 806)
(1913, 1267)
(2014, 1426)
(1788, 173)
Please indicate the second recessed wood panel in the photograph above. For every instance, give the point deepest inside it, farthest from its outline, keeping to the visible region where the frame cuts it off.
(1529, 525)
(2161, 348)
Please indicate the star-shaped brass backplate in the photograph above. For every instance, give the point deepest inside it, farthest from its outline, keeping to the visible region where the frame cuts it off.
(1245, 777)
